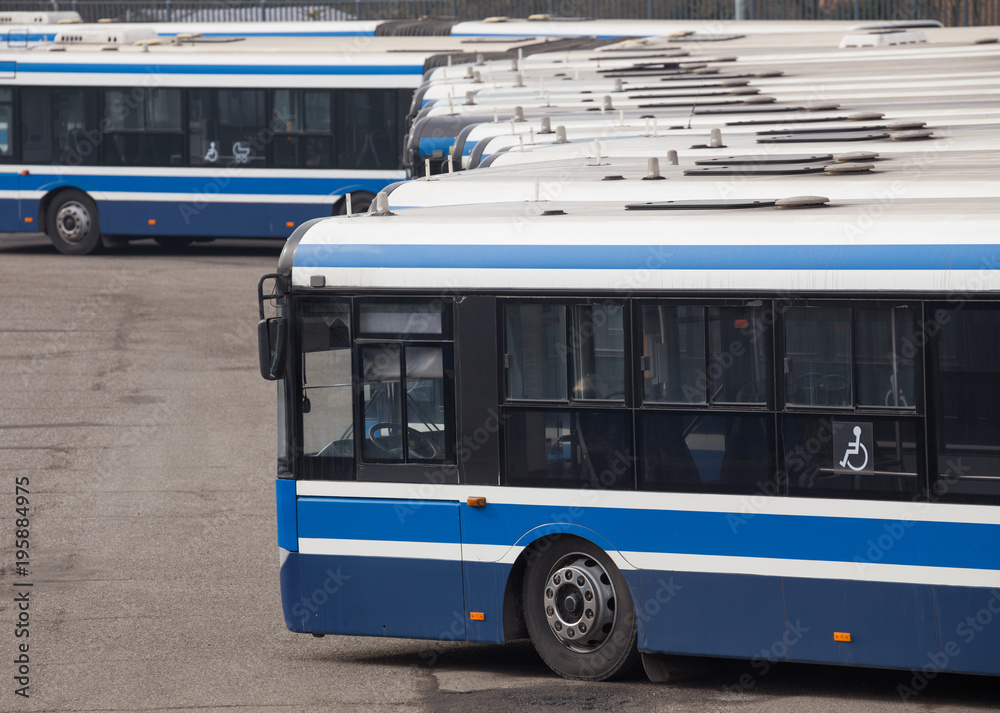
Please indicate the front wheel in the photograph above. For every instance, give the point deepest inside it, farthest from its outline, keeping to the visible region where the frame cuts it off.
(579, 612)
(73, 224)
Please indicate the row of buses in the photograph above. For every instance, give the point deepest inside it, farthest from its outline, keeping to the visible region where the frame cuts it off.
(184, 132)
(681, 345)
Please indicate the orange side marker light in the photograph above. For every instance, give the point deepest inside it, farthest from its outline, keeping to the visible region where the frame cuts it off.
(477, 616)
(151, 221)
(476, 502)
(842, 636)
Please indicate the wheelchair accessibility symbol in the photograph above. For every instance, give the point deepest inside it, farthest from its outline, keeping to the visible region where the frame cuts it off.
(852, 447)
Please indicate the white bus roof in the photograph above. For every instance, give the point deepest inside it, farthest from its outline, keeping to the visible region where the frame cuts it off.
(889, 246)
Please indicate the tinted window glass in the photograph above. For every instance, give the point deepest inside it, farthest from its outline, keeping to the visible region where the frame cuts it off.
(737, 354)
(6, 123)
(884, 353)
(302, 123)
(382, 403)
(327, 393)
(228, 127)
(536, 350)
(818, 356)
(569, 448)
(966, 393)
(597, 344)
(673, 348)
(852, 456)
(369, 128)
(726, 453)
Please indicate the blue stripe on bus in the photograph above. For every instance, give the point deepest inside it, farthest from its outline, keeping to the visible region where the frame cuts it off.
(395, 520)
(207, 184)
(809, 538)
(332, 69)
(652, 257)
(837, 539)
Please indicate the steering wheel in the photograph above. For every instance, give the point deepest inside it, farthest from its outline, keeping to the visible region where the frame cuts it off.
(418, 444)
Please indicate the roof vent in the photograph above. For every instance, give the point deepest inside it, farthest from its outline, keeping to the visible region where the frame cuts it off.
(848, 167)
(546, 125)
(911, 135)
(653, 170)
(561, 135)
(801, 202)
(851, 156)
(701, 204)
(382, 204)
(883, 38)
(105, 36)
(865, 116)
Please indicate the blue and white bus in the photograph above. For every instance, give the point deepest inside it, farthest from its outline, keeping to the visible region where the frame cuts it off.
(193, 139)
(718, 414)
(624, 429)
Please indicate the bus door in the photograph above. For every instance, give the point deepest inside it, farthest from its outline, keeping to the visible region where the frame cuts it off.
(393, 545)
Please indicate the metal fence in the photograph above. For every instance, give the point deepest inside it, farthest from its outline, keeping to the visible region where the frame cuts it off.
(949, 12)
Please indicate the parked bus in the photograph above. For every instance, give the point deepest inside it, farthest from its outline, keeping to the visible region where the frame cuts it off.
(116, 133)
(647, 443)
(721, 414)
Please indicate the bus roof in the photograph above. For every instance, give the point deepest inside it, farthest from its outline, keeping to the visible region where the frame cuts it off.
(882, 245)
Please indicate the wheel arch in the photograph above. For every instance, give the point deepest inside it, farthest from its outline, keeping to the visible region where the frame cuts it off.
(53, 193)
(538, 540)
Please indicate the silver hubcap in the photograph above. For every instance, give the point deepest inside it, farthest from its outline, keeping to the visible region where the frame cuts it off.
(579, 602)
(73, 222)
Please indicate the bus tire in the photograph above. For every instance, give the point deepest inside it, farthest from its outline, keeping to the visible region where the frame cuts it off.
(73, 224)
(360, 203)
(583, 627)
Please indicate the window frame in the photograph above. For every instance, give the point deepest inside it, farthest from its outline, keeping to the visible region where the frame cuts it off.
(627, 399)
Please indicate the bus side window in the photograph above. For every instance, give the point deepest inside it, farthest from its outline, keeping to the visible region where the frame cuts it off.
(965, 389)
(6, 123)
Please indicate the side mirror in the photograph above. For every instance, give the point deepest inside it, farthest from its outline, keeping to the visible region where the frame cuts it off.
(271, 340)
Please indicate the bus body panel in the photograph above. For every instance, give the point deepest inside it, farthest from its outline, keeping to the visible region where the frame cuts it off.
(195, 203)
(709, 614)
(396, 566)
(288, 538)
(291, 591)
(891, 624)
(485, 584)
(10, 207)
(967, 622)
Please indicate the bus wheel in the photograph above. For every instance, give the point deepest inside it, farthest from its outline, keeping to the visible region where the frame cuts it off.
(360, 203)
(73, 224)
(579, 612)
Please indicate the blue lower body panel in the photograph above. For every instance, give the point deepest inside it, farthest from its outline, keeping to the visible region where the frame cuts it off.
(710, 614)
(485, 583)
(968, 630)
(389, 596)
(891, 625)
